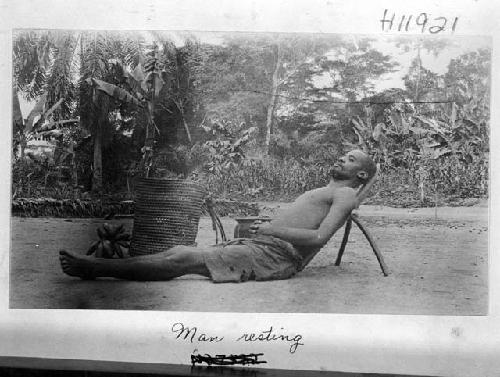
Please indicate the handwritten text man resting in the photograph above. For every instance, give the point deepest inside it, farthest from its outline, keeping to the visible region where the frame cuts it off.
(276, 250)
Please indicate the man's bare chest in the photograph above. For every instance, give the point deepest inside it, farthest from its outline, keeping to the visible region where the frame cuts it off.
(308, 210)
(321, 197)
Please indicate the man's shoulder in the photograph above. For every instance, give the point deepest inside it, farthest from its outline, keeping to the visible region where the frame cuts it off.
(344, 191)
(345, 196)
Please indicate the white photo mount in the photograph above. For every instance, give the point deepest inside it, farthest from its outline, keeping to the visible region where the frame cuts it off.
(362, 343)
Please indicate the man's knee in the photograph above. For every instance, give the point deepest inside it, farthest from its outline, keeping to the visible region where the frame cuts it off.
(189, 261)
(181, 249)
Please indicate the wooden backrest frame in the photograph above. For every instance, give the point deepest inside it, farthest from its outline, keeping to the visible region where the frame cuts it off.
(365, 189)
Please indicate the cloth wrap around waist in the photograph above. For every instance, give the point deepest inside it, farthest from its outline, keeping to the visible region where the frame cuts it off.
(259, 258)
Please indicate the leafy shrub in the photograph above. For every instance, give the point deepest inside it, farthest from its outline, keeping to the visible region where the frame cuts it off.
(284, 179)
(266, 179)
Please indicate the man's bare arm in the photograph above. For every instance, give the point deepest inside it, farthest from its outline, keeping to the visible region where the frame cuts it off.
(344, 203)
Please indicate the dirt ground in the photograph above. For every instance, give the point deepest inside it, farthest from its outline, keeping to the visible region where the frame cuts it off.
(437, 267)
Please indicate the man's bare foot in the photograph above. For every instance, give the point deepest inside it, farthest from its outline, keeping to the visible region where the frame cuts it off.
(75, 265)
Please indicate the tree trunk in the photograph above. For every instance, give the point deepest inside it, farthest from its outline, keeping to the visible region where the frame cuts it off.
(97, 172)
(186, 127)
(22, 147)
(74, 171)
(272, 102)
(149, 141)
(419, 74)
(180, 107)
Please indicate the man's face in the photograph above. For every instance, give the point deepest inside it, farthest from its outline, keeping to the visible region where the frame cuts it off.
(348, 166)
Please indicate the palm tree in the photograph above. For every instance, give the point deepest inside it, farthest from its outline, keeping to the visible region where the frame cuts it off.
(40, 65)
(44, 65)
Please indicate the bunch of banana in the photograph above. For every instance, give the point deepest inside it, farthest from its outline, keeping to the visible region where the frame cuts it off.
(112, 238)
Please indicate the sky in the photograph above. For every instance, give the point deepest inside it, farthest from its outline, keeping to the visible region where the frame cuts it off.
(439, 64)
(383, 43)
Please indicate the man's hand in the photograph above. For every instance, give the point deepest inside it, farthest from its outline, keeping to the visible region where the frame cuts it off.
(344, 201)
(259, 227)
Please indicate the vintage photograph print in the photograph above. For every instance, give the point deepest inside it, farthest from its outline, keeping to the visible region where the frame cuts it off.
(250, 172)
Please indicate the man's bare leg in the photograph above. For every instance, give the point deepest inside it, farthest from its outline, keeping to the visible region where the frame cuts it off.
(175, 262)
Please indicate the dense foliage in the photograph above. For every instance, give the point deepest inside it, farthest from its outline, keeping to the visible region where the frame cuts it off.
(254, 117)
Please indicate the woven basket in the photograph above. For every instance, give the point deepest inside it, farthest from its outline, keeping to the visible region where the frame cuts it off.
(167, 213)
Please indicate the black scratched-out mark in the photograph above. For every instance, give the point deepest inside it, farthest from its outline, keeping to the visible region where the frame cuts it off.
(241, 359)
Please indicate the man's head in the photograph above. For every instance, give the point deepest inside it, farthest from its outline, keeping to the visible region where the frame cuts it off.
(356, 166)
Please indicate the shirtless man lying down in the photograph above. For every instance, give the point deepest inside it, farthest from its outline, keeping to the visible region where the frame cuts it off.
(275, 250)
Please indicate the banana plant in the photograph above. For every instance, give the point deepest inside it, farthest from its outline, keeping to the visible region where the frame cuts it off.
(141, 88)
(24, 128)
